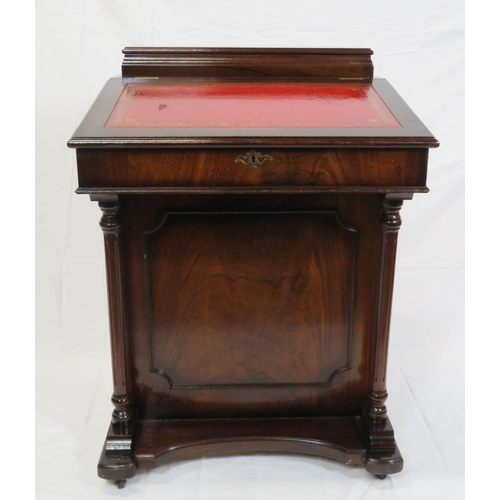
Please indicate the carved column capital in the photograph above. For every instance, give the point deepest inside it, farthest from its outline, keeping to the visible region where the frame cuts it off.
(391, 219)
(110, 222)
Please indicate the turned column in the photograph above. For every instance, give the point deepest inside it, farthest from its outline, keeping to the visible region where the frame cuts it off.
(390, 223)
(110, 224)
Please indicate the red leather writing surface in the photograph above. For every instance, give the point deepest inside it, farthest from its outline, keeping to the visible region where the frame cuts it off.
(250, 105)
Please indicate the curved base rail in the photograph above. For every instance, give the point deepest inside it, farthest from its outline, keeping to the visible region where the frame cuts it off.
(349, 440)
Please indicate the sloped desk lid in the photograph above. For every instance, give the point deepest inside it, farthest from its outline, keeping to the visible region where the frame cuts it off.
(205, 111)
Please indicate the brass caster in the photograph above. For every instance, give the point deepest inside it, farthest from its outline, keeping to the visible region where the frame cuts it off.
(120, 483)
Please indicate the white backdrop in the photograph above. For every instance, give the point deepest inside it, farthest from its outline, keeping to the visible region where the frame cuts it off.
(419, 48)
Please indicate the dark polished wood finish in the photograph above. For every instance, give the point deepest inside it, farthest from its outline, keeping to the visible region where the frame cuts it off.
(216, 168)
(390, 222)
(250, 271)
(334, 64)
(110, 225)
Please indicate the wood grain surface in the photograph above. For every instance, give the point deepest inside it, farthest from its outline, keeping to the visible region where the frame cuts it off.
(250, 270)
(250, 299)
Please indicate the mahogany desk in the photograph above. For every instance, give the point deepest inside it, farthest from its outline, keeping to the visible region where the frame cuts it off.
(250, 203)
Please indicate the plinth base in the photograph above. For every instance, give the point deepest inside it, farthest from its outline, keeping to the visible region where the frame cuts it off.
(349, 440)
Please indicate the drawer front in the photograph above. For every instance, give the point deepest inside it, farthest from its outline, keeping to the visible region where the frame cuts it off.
(237, 168)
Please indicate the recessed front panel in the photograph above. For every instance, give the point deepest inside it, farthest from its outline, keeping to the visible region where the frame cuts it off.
(250, 299)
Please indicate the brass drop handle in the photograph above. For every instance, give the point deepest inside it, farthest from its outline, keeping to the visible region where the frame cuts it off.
(253, 159)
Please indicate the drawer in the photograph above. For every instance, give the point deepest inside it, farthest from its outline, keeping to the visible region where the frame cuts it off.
(239, 168)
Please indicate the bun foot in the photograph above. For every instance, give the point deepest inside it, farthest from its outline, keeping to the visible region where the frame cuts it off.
(381, 476)
(120, 483)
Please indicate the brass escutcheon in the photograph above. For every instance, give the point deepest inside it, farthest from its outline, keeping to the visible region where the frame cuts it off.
(253, 159)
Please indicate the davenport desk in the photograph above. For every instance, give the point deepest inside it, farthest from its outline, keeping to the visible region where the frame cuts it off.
(250, 207)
